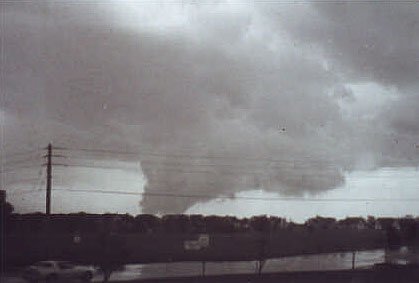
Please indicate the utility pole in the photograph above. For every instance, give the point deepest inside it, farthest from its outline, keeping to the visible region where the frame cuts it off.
(49, 180)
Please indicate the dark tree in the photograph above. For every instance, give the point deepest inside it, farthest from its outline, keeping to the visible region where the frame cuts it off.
(112, 254)
(260, 223)
(408, 229)
(197, 223)
(393, 238)
(147, 223)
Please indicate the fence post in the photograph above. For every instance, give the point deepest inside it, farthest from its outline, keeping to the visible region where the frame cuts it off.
(353, 259)
(203, 269)
(261, 264)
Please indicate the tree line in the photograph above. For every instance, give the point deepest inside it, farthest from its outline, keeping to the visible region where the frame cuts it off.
(195, 223)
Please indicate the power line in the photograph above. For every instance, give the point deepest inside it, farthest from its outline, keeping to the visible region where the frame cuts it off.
(216, 172)
(30, 152)
(257, 171)
(15, 169)
(165, 194)
(20, 181)
(142, 154)
(17, 180)
(204, 160)
(22, 192)
(40, 180)
(91, 166)
(276, 2)
(177, 163)
(13, 165)
(170, 166)
(25, 160)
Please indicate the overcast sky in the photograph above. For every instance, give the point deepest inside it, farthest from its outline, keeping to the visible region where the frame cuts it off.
(222, 98)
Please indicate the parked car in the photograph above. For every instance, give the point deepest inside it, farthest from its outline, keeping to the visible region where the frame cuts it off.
(52, 271)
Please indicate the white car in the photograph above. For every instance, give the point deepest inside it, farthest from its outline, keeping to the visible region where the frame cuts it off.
(52, 271)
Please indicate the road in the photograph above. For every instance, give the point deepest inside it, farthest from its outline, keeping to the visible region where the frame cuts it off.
(401, 274)
(159, 271)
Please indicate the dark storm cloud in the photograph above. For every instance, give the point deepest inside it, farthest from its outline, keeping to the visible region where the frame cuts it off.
(368, 42)
(227, 96)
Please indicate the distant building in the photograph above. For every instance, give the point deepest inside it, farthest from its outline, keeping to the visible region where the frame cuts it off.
(387, 223)
(202, 242)
(358, 223)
